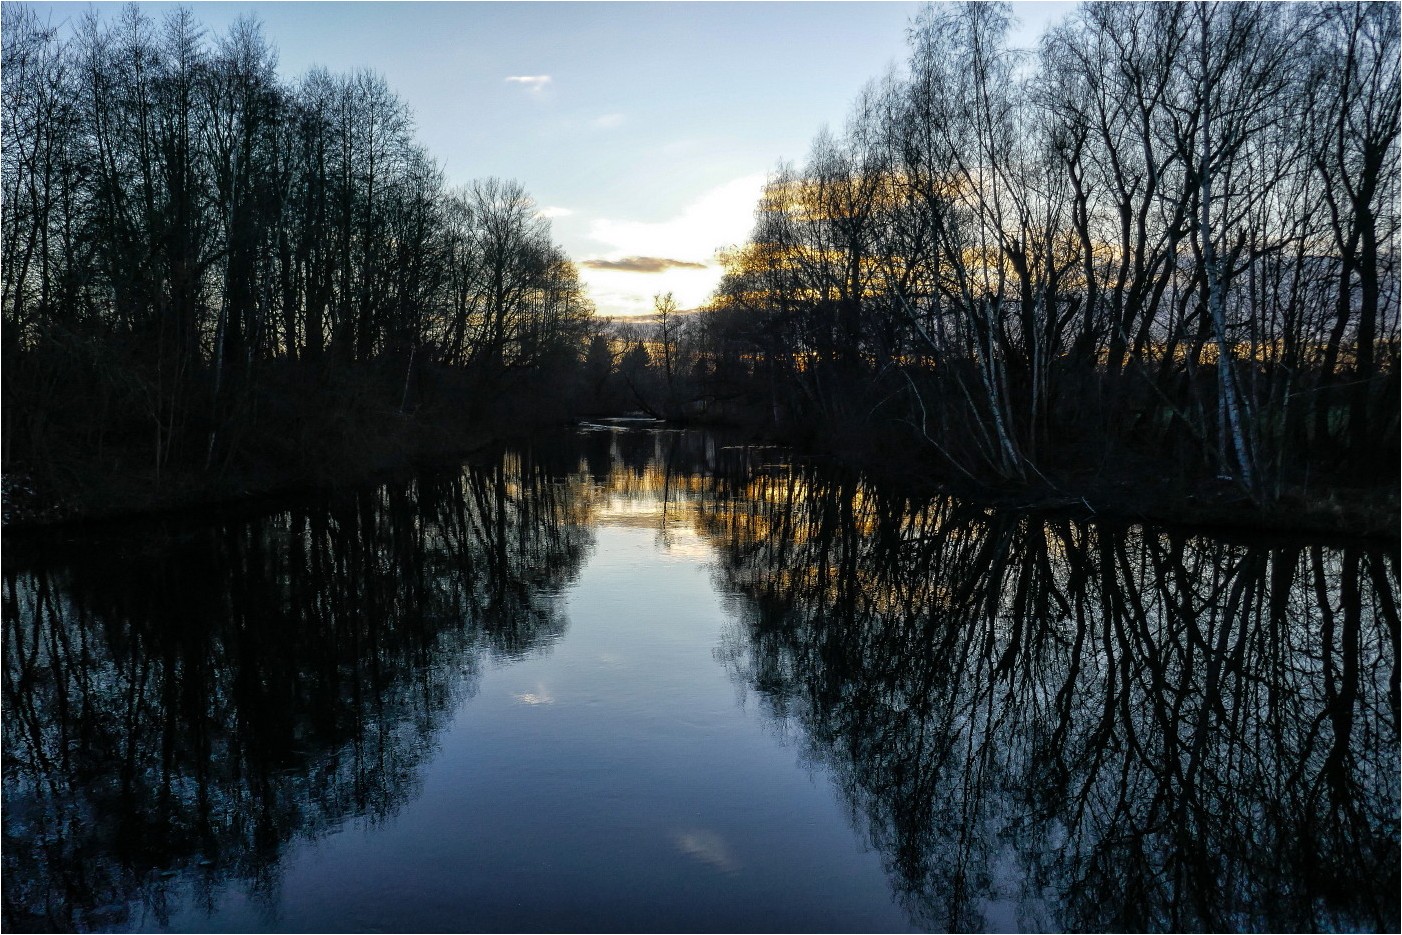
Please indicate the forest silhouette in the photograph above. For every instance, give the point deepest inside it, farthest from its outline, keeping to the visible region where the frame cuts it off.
(1151, 264)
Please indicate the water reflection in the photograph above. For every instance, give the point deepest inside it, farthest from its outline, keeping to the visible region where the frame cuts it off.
(1047, 725)
(180, 705)
(1039, 724)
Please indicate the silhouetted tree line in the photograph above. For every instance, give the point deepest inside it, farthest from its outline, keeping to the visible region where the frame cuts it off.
(182, 703)
(1054, 725)
(1169, 233)
(659, 364)
(206, 266)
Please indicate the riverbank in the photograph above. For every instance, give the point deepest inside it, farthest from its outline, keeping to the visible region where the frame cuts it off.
(1130, 492)
(1134, 492)
(319, 439)
(390, 443)
(140, 493)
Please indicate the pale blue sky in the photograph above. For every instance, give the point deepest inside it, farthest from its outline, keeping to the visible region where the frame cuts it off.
(657, 125)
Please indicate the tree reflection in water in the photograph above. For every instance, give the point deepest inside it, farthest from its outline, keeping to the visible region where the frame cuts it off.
(1047, 724)
(1039, 723)
(180, 706)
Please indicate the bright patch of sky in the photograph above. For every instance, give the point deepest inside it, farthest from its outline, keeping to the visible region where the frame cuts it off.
(644, 130)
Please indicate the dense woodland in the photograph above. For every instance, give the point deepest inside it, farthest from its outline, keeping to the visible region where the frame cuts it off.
(1166, 239)
(210, 270)
(1162, 244)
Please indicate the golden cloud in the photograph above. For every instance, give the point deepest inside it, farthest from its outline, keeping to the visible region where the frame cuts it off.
(642, 264)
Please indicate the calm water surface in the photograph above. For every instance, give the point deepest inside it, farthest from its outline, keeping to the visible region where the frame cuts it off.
(636, 680)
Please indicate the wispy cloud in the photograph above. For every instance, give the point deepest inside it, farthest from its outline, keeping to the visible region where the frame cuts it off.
(641, 264)
(607, 121)
(707, 847)
(535, 85)
(553, 212)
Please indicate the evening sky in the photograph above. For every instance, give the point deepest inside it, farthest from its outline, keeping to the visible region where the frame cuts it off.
(643, 130)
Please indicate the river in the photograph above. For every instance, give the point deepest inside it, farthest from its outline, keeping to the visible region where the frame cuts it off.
(642, 680)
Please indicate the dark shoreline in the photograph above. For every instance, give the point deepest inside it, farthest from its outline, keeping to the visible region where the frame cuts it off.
(1214, 510)
(415, 447)
(221, 501)
(1128, 496)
